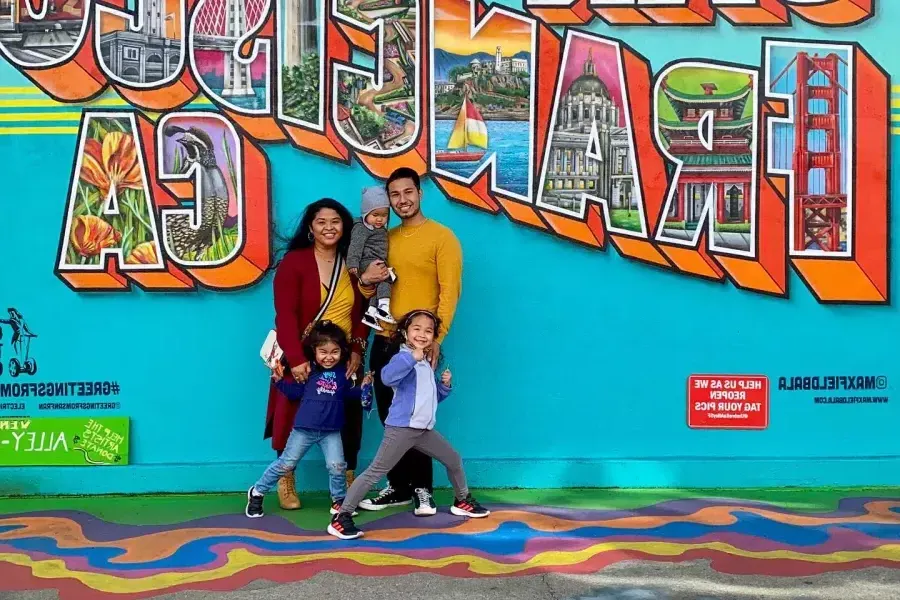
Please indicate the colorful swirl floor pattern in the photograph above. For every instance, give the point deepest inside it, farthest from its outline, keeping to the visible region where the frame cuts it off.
(77, 552)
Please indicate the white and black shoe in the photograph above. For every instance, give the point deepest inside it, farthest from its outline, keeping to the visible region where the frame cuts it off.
(425, 506)
(384, 315)
(254, 509)
(371, 320)
(387, 498)
(392, 274)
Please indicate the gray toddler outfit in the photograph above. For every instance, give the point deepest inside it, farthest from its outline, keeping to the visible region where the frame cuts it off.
(367, 243)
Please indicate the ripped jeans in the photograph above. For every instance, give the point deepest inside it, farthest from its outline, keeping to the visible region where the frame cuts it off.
(298, 444)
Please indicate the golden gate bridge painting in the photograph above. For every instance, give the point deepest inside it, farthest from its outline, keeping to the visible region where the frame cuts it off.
(814, 144)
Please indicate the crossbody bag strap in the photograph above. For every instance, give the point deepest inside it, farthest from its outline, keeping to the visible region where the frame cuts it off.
(335, 278)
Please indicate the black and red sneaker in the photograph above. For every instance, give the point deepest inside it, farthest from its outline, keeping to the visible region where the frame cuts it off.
(469, 508)
(336, 508)
(342, 527)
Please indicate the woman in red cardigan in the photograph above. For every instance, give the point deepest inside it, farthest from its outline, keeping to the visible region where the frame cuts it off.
(302, 286)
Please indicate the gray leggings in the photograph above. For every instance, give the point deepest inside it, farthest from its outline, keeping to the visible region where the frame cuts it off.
(396, 442)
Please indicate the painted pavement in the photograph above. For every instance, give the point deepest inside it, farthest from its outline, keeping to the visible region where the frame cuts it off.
(78, 552)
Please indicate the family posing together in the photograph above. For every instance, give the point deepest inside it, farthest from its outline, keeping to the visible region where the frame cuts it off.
(337, 280)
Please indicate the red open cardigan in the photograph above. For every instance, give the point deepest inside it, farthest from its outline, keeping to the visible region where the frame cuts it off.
(298, 298)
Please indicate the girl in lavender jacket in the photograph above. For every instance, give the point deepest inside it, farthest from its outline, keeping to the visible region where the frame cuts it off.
(410, 423)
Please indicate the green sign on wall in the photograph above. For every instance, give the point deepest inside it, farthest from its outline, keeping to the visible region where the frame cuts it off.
(63, 441)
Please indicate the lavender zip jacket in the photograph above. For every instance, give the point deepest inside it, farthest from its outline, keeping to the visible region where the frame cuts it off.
(417, 392)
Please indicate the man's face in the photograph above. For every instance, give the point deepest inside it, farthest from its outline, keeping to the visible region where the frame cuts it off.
(405, 198)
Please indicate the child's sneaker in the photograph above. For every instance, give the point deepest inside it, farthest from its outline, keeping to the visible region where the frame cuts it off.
(254, 508)
(469, 508)
(371, 319)
(384, 315)
(336, 508)
(342, 527)
(425, 506)
(386, 498)
(392, 274)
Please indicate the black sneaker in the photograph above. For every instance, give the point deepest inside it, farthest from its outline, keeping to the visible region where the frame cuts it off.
(336, 508)
(424, 503)
(342, 527)
(386, 498)
(469, 508)
(254, 508)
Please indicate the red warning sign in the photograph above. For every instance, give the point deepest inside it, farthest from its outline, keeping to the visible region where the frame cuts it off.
(728, 401)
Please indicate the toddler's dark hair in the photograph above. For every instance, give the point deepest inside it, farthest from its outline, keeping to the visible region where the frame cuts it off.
(322, 333)
(398, 339)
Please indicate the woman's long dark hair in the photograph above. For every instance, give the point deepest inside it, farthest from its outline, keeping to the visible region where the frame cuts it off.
(302, 238)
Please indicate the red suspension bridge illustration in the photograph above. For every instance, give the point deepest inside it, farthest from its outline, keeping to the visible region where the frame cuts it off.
(820, 198)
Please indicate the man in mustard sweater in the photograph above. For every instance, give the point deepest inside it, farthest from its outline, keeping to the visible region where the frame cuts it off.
(427, 260)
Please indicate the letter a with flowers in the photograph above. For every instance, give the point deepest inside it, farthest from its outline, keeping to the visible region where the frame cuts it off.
(110, 225)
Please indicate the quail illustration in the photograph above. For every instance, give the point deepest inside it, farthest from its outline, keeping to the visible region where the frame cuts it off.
(184, 239)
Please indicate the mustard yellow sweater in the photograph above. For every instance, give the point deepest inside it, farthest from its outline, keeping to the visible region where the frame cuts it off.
(427, 260)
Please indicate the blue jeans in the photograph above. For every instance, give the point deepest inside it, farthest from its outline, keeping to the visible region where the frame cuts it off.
(298, 444)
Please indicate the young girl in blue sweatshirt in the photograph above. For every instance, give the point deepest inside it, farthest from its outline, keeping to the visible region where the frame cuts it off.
(320, 416)
(410, 423)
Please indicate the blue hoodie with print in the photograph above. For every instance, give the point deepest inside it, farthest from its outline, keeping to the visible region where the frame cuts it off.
(321, 398)
(417, 392)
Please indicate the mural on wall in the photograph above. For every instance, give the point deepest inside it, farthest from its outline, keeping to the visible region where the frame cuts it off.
(482, 95)
(727, 172)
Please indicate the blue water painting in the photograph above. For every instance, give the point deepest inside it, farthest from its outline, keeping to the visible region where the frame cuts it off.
(508, 140)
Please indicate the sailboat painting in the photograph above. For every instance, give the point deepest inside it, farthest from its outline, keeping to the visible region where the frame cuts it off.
(482, 95)
(468, 130)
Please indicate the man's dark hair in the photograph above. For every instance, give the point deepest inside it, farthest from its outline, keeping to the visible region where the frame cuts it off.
(403, 173)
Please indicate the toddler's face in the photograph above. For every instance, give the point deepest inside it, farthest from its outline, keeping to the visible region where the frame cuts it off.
(378, 217)
(420, 333)
(328, 354)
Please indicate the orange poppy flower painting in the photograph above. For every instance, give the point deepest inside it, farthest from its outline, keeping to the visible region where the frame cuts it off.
(111, 208)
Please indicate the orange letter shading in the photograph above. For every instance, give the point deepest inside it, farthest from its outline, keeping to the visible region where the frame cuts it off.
(110, 234)
(828, 152)
(838, 13)
(590, 181)
(69, 76)
(707, 124)
(223, 240)
(142, 53)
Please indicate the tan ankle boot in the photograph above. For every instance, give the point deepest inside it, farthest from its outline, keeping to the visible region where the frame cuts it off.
(287, 493)
(351, 477)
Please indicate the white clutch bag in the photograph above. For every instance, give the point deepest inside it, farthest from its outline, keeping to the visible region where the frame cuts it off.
(271, 352)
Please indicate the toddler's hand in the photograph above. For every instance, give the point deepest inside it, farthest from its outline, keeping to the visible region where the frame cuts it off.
(418, 354)
(367, 380)
(278, 372)
(447, 378)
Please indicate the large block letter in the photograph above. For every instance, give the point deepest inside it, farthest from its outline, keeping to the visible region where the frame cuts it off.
(590, 172)
(229, 56)
(223, 239)
(51, 45)
(702, 12)
(110, 233)
(707, 124)
(831, 146)
(378, 112)
(482, 112)
(142, 52)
